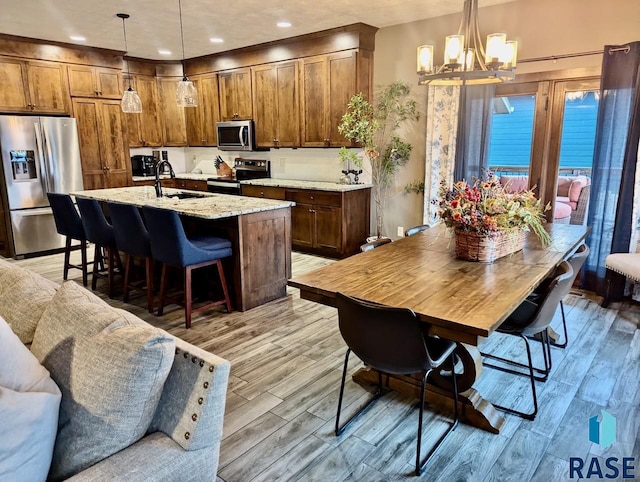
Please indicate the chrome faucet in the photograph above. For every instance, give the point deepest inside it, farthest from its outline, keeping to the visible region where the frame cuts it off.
(158, 184)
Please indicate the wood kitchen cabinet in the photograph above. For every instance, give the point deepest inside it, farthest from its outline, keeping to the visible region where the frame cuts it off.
(145, 128)
(201, 120)
(174, 124)
(30, 86)
(235, 94)
(88, 81)
(190, 184)
(328, 83)
(4, 232)
(276, 104)
(104, 148)
(329, 223)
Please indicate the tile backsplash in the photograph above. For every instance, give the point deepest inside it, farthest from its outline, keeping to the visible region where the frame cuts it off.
(307, 164)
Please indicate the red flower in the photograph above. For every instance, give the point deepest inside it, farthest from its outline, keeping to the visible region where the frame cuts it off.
(456, 216)
(455, 203)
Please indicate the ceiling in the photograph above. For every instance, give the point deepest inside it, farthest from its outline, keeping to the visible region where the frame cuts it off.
(154, 24)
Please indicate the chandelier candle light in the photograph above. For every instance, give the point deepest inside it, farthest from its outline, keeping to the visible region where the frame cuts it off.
(131, 103)
(466, 61)
(186, 95)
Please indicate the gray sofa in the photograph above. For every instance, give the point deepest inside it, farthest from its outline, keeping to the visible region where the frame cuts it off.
(183, 439)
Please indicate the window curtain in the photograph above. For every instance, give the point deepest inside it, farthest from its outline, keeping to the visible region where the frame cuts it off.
(474, 128)
(442, 127)
(613, 189)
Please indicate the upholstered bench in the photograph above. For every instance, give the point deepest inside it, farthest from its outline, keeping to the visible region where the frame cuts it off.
(626, 264)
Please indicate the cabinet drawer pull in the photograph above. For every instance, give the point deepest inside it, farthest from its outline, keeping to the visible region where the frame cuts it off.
(262, 193)
(311, 197)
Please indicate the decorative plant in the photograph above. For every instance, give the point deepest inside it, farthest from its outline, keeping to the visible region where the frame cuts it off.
(373, 126)
(485, 207)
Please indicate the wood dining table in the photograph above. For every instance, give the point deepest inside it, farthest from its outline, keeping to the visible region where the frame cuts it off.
(462, 301)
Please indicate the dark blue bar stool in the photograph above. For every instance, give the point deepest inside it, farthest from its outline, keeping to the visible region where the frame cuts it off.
(132, 239)
(170, 245)
(69, 224)
(101, 233)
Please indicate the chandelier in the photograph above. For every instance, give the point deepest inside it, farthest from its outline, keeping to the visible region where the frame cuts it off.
(466, 60)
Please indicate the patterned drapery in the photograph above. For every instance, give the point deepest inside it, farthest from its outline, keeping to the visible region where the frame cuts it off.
(442, 127)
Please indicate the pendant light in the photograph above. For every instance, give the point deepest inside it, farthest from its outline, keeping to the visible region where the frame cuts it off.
(131, 103)
(466, 61)
(186, 95)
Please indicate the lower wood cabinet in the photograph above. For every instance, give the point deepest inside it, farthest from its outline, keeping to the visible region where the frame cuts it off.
(4, 233)
(323, 222)
(189, 184)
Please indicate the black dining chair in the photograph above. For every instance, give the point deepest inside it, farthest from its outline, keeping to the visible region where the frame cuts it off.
(576, 261)
(416, 229)
(392, 340)
(374, 244)
(69, 224)
(529, 319)
(132, 239)
(171, 246)
(100, 232)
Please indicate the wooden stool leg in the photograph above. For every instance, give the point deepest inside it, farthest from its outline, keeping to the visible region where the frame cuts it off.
(127, 271)
(97, 259)
(187, 296)
(149, 272)
(83, 252)
(67, 252)
(163, 288)
(223, 281)
(110, 270)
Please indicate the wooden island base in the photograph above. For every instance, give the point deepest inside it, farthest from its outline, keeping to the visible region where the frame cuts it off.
(473, 409)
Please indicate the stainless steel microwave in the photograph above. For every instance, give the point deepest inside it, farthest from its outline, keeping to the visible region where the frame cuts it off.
(236, 135)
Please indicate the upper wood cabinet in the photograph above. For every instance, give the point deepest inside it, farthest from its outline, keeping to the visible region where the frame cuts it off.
(201, 120)
(33, 86)
(145, 128)
(87, 81)
(328, 83)
(173, 117)
(276, 104)
(235, 94)
(103, 143)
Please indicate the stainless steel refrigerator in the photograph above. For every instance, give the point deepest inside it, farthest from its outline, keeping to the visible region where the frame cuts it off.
(39, 155)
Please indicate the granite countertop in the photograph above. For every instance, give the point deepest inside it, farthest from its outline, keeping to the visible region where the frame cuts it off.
(206, 205)
(317, 185)
(179, 175)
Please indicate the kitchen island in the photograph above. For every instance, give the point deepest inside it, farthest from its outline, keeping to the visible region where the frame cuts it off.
(259, 230)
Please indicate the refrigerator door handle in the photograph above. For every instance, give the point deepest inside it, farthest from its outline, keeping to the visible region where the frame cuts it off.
(35, 212)
(48, 156)
(44, 176)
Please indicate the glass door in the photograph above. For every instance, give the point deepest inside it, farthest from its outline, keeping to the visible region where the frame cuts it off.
(573, 119)
(517, 134)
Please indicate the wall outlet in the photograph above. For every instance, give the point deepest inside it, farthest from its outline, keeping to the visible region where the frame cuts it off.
(400, 231)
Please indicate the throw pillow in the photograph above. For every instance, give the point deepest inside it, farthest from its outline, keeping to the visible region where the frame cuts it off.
(24, 295)
(576, 188)
(111, 368)
(29, 403)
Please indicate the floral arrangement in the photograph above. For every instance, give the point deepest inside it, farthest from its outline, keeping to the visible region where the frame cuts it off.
(485, 207)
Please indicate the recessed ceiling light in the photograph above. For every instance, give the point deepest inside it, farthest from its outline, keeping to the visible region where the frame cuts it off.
(77, 38)
(164, 52)
(284, 24)
(216, 40)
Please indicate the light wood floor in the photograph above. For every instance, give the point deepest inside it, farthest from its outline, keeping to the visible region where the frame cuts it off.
(287, 358)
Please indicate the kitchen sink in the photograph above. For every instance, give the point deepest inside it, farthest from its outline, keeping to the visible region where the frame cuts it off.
(185, 195)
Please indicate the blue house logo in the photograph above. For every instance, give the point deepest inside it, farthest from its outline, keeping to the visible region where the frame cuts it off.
(602, 432)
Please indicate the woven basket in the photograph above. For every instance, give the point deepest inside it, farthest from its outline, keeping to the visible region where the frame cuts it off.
(486, 248)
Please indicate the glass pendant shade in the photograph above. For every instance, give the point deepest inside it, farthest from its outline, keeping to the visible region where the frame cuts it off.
(186, 95)
(469, 59)
(131, 103)
(495, 48)
(425, 59)
(510, 55)
(454, 50)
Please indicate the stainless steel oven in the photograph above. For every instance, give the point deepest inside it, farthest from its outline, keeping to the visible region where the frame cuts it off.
(245, 169)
